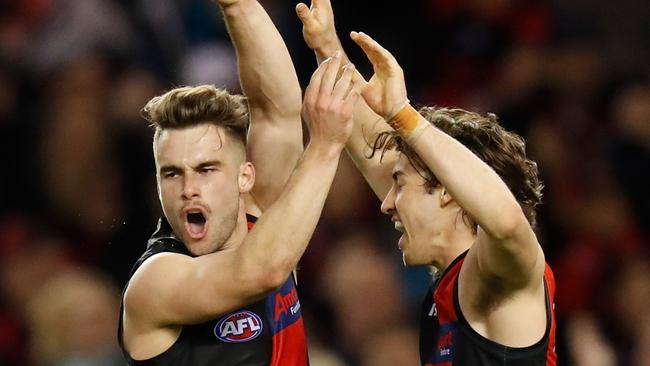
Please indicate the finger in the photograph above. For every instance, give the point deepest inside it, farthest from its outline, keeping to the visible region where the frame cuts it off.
(343, 84)
(321, 4)
(303, 12)
(353, 95)
(357, 77)
(315, 82)
(371, 95)
(375, 52)
(378, 55)
(329, 77)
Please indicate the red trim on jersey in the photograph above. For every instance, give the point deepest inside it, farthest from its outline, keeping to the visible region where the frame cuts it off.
(290, 346)
(445, 310)
(551, 356)
(444, 294)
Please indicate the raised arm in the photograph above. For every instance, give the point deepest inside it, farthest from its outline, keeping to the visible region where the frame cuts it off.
(506, 247)
(196, 289)
(269, 80)
(320, 35)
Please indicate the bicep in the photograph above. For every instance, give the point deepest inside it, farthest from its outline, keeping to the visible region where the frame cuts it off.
(172, 289)
(274, 148)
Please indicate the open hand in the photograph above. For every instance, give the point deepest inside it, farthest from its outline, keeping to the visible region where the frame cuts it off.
(385, 93)
(318, 26)
(329, 103)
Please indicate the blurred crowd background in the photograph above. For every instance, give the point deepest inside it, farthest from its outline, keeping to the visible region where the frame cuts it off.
(77, 189)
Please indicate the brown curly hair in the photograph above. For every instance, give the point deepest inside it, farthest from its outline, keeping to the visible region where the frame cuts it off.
(189, 106)
(502, 150)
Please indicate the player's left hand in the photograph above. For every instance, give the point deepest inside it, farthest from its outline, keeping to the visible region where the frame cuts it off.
(385, 93)
(318, 26)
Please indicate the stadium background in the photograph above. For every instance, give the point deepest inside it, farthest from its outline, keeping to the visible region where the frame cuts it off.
(77, 187)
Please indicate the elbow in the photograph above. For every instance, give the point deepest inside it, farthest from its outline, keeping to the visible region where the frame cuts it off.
(279, 273)
(290, 110)
(272, 280)
(510, 224)
(259, 282)
(272, 277)
(290, 106)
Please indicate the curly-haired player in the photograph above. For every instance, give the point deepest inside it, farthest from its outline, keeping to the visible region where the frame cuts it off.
(463, 193)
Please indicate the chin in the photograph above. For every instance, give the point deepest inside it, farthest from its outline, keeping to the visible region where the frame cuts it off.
(197, 246)
(412, 261)
(197, 249)
(406, 258)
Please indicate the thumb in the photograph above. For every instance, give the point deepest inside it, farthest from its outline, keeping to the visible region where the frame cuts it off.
(366, 92)
(373, 98)
(358, 85)
(303, 13)
(358, 78)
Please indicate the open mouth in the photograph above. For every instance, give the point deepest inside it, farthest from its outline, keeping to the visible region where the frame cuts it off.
(399, 226)
(195, 224)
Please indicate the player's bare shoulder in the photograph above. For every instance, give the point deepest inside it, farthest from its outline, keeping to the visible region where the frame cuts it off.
(145, 286)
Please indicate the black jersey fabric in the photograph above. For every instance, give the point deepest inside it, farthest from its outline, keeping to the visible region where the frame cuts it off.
(267, 332)
(447, 339)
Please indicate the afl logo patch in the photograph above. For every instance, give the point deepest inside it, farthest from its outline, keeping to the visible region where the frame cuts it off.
(238, 327)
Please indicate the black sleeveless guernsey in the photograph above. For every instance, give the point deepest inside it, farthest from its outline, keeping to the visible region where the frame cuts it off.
(447, 339)
(268, 332)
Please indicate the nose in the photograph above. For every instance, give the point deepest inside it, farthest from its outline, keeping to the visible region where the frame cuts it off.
(388, 204)
(190, 187)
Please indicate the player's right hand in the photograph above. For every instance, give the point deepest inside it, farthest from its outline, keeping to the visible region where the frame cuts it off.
(329, 103)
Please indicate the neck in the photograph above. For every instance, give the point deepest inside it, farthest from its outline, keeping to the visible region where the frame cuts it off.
(455, 242)
(241, 228)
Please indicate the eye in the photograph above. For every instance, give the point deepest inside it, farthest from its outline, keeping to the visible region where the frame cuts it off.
(170, 175)
(206, 170)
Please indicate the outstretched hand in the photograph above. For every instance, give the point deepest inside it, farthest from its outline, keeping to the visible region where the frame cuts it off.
(318, 26)
(329, 103)
(385, 93)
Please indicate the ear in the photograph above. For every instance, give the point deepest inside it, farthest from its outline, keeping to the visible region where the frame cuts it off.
(246, 178)
(445, 197)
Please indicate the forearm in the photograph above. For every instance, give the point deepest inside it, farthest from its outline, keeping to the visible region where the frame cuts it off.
(281, 235)
(266, 71)
(475, 186)
(269, 80)
(367, 125)
(329, 49)
(375, 170)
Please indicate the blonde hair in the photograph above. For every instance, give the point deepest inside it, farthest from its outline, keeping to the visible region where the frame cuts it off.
(189, 106)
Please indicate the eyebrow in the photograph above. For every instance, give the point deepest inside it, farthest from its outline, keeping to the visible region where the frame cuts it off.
(176, 168)
(208, 163)
(169, 168)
